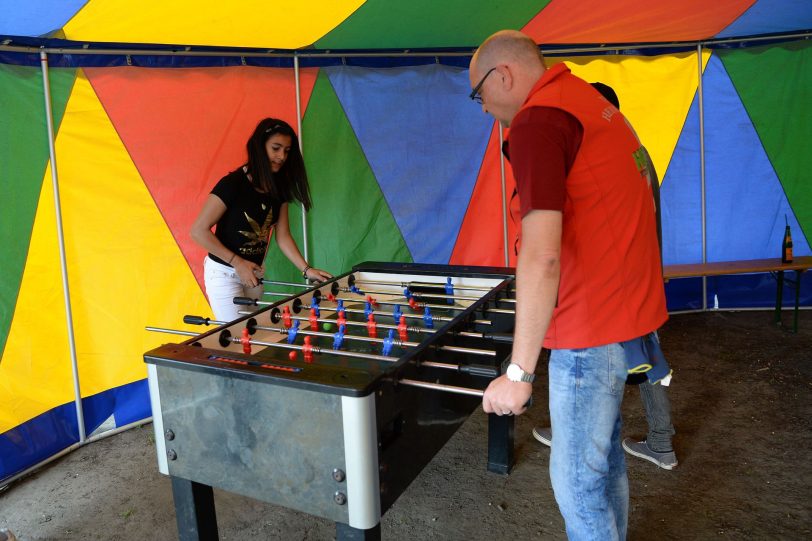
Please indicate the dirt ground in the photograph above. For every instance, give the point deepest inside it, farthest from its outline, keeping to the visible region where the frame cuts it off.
(741, 406)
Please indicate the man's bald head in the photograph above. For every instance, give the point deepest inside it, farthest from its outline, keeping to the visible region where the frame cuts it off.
(503, 71)
(509, 47)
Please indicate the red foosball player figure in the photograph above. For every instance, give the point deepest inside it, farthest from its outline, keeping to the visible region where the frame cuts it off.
(307, 349)
(246, 341)
(342, 319)
(404, 336)
(314, 320)
(286, 317)
(372, 326)
(371, 300)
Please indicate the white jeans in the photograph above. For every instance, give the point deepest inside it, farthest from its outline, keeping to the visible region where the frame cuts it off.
(222, 285)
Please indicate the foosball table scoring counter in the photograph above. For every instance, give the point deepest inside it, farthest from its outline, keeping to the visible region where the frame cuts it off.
(332, 400)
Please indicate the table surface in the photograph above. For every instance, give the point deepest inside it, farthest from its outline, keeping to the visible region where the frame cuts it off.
(735, 267)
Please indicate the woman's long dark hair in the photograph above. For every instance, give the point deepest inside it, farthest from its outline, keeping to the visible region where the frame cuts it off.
(291, 181)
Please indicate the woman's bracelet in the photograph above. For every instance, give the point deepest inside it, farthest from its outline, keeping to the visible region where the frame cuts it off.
(304, 271)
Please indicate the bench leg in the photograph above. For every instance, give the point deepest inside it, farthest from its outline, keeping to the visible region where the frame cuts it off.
(797, 300)
(779, 297)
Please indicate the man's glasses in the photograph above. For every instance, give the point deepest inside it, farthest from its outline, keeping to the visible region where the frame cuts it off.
(474, 95)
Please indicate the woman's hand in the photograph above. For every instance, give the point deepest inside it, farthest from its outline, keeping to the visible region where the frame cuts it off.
(317, 275)
(248, 271)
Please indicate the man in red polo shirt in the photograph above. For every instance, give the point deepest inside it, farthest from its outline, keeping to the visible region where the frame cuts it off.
(588, 277)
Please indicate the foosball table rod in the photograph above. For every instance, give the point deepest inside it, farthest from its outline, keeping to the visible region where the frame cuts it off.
(390, 303)
(439, 285)
(499, 337)
(336, 289)
(247, 301)
(451, 389)
(198, 320)
(472, 369)
(441, 387)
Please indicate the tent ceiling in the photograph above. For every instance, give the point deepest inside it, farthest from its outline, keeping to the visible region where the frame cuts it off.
(382, 24)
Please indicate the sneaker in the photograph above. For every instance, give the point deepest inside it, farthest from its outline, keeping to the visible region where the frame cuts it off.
(667, 461)
(544, 435)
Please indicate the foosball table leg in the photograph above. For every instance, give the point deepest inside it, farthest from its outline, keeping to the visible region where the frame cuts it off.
(500, 443)
(345, 532)
(194, 510)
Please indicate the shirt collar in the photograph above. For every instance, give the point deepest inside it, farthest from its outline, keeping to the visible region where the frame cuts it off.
(546, 78)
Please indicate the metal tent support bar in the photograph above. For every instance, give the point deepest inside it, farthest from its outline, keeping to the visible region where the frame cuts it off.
(504, 195)
(702, 172)
(77, 392)
(84, 48)
(301, 148)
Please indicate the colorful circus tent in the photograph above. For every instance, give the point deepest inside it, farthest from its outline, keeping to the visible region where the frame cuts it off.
(117, 117)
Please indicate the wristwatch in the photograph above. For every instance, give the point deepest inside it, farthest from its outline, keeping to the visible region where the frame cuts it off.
(516, 373)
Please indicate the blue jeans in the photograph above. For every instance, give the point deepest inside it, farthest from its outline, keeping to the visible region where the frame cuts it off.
(587, 466)
(658, 415)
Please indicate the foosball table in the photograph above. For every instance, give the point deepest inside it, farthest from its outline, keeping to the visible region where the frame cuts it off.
(331, 400)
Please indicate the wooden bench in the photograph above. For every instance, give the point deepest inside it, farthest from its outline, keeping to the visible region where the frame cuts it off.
(799, 265)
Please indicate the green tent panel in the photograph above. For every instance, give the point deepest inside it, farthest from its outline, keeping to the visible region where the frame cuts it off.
(23, 159)
(780, 111)
(409, 25)
(364, 229)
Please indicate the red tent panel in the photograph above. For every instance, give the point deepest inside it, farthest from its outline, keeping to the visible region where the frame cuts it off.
(186, 128)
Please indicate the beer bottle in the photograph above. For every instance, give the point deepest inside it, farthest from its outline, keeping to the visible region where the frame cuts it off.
(786, 246)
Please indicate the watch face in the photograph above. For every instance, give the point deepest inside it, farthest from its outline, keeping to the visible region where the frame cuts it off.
(514, 372)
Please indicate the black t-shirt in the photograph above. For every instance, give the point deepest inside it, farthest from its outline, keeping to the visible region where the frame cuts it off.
(245, 227)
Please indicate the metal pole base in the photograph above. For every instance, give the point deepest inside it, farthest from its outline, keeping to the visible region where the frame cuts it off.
(345, 532)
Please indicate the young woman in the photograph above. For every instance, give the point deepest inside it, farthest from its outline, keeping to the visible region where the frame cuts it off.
(246, 206)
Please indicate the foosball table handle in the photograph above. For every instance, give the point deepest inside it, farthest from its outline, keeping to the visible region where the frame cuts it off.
(195, 320)
(480, 370)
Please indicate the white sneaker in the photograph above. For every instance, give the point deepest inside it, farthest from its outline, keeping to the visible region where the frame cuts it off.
(544, 435)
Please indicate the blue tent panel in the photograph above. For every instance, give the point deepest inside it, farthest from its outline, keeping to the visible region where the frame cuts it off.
(757, 291)
(128, 403)
(740, 228)
(36, 17)
(34, 441)
(769, 17)
(49, 433)
(424, 140)
(683, 294)
(681, 197)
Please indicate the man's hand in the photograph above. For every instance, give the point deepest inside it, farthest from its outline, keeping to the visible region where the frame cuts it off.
(505, 397)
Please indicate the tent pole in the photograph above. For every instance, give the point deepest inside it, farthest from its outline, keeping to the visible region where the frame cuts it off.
(702, 172)
(504, 196)
(301, 146)
(77, 393)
